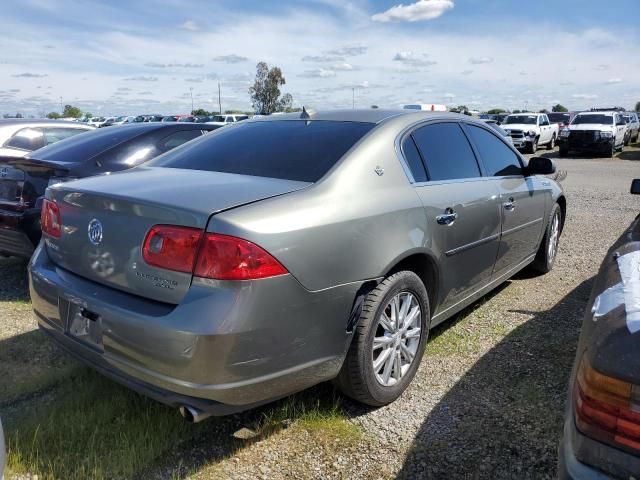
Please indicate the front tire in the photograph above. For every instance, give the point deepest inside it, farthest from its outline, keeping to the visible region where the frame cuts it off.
(546, 256)
(388, 342)
(532, 147)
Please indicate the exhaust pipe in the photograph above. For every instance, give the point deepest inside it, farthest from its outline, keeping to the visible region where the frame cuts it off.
(193, 415)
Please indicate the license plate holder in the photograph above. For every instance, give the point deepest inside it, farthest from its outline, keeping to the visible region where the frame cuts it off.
(85, 326)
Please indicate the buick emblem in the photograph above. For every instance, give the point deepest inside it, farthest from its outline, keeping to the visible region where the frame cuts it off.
(95, 232)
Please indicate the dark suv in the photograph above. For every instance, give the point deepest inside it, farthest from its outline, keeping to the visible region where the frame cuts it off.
(23, 181)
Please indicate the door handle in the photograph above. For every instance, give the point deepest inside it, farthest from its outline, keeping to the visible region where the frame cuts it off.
(447, 218)
(510, 205)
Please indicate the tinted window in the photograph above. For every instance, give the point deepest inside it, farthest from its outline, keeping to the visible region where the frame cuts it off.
(292, 150)
(178, 138)
(53, 135)
(593, 118)
(26, 139)
(559, 117)
(81, 148)
(412, 156)
(497, 158)
(446, 152)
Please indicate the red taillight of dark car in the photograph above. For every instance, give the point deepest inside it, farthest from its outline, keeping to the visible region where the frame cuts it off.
(208, 255)
(607, 409)
(50, 220)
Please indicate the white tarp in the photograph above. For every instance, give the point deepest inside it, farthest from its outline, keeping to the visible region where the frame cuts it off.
(626, 293)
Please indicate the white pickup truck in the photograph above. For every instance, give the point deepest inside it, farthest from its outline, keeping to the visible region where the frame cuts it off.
(529, 130)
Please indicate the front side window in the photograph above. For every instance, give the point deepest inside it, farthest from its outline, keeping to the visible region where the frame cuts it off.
(290, 150)
(446, 152)
(26, 139)
(499, 160)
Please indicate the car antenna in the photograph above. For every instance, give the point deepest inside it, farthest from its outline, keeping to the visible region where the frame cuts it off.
(307, 113)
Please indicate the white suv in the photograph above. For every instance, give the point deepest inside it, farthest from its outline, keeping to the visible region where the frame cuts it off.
(594, 132)
(226, 119)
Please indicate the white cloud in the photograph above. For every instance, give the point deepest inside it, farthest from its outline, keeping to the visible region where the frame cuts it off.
(322, 58)
(29, 75)
(348, 51)
(480, 60)
(466, 72)
(190, 25)
(231, 59)
(414, 12)
(318, 73)
(584, 96)
(409, 58)
(449, 95)
(342, 67)
(613, 81)
(141, 79)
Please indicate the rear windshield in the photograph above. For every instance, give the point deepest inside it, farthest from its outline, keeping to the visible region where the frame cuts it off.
(516, 119)
(290, 150)
(593, 118)
(80, 148)
(559, 117)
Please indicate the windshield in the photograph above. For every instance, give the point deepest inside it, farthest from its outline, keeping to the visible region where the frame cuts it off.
(592, 118)
(289, 150)
(217, 118)
(521, 119)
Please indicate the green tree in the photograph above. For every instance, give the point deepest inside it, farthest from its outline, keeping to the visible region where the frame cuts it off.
(638, 107)
(559, 108)
(53, 115)
(71, 111)
(496, 111)
(265, 92)
(517, 111)
(200, 112)
(460, 109)
(285, 103)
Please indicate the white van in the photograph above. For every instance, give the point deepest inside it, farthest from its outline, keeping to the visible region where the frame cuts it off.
(431, 107)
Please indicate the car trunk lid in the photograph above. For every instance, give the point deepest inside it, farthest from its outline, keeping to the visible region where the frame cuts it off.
(127, 205)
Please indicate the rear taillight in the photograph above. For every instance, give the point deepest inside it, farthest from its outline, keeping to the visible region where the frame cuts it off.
(230, 258)
(607, 409)
(207, 255)
(50, 220)
(171, 247)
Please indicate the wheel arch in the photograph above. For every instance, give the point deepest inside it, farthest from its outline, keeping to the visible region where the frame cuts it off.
(562, 202)
(424, 265)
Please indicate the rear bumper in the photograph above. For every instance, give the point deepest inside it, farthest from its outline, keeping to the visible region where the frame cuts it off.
(19, 232)
(569, 467)
(226, 344)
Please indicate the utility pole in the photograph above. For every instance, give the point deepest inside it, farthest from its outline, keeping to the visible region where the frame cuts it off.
(353, 97)
(219, 99)
(61, 107)
(191, 91)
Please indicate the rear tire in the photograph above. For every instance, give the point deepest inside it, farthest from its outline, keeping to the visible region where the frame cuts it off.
(552, 143)
(363, 373)
(547, 252)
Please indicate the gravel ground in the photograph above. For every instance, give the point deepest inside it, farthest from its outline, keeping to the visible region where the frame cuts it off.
(488, 399)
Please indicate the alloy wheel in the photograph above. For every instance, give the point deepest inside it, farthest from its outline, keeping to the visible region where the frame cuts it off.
(397, 338)
(553, 237)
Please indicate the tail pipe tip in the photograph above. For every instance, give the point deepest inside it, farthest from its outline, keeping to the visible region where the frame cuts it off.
(192, 414)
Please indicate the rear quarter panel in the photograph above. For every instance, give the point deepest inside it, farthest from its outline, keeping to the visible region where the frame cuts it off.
(352, 225)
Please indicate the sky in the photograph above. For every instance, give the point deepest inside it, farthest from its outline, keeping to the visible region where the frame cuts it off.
(119, 57)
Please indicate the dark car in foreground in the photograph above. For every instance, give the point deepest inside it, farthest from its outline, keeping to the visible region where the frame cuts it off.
(280, 252)
(601, 436)
(23, 181)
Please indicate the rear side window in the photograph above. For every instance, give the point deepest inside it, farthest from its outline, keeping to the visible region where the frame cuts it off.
(446, 152)
(498, 159)
(291, 150)
(53, 135)
(26, 139)
(412, 156)
(178, 138)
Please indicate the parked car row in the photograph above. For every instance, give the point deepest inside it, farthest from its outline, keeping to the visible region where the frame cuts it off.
(100, 122)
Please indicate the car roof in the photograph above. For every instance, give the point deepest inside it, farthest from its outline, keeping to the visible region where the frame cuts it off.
(5, 122)
(372, 115)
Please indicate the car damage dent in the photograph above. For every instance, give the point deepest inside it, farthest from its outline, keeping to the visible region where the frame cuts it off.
(626, 293)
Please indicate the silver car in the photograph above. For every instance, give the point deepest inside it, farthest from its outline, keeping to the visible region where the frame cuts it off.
(281, 252)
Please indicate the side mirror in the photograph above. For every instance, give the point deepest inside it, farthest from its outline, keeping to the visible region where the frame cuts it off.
(635, 186)
(541, 166)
